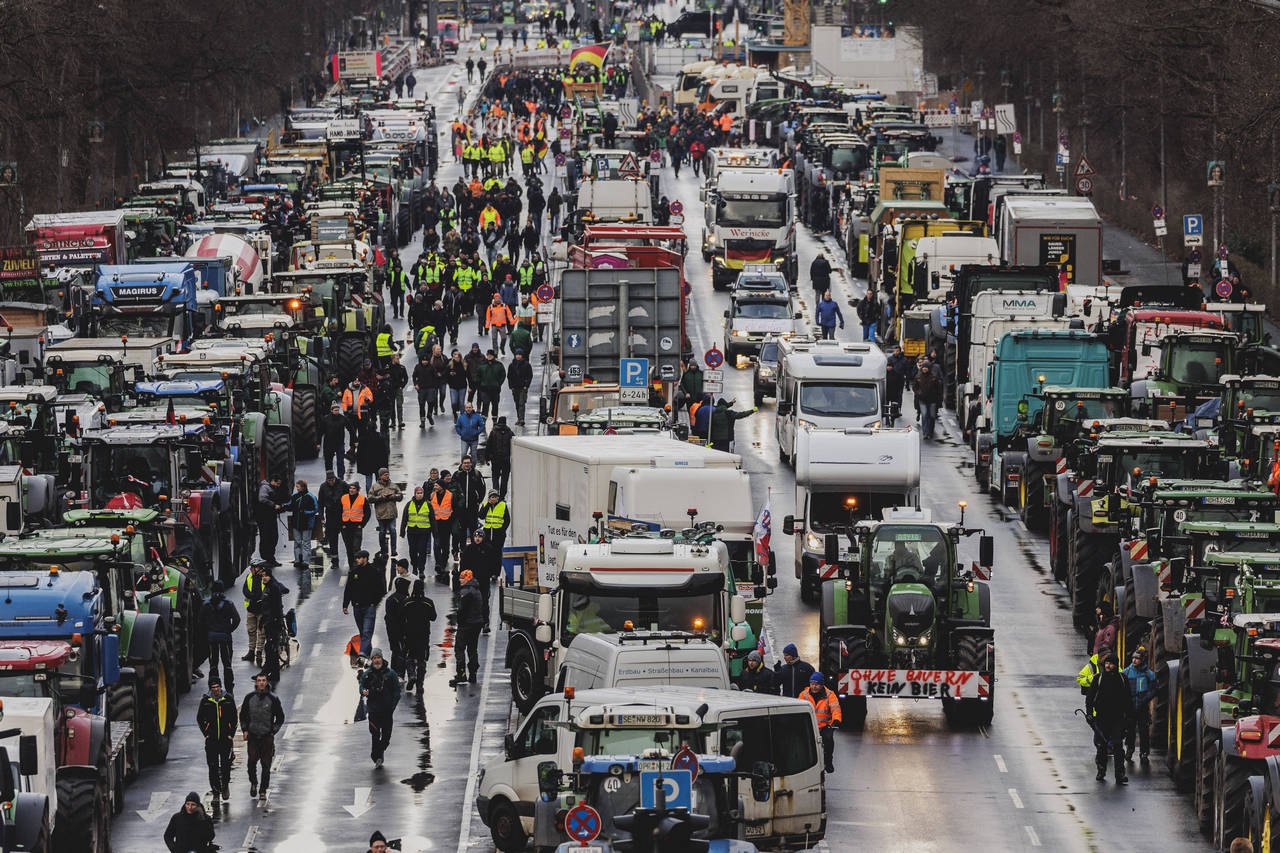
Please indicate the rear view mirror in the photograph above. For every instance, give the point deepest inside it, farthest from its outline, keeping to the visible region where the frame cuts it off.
(509, 745)
(545, 607)
(738, 609)
(761, 781)
(548, 779)
(789, 525)
(542, 633)
(738, 633)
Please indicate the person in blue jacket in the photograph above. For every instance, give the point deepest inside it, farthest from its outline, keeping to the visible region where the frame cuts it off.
(1142, 689)
(469, 428)
(827, 316)
(303, 508)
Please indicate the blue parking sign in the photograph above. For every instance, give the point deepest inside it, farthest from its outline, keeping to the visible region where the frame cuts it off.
(633, 372)
(678, 785)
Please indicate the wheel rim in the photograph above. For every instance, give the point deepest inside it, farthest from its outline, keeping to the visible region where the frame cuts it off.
(162, 700)
(1178, 751)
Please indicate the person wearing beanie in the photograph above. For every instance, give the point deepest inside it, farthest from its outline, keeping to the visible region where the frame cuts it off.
(377, 843)
(380, 688)
(220, 618)
(1142, 689)
(826, 708)
(216, 716)
(1110, 710)
(755, 677)
(393, 621)
(470, 621)
(1108, 626)
(793, 673)
(190, 829)
(419, 613)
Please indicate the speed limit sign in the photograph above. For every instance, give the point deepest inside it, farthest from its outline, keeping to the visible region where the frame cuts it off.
(1084, 186)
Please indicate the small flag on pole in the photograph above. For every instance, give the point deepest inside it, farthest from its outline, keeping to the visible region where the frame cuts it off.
(593, 54)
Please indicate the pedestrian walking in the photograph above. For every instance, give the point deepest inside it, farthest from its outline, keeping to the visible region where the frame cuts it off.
(216, 716)
(827, 315)
(519, 378)
(498, 320)
(928, 394)
(469, 428)
(793, 673)
(329, 498)
(191, 829)
(498, 451)
(419, 613)
(371, 452)
(261, 716)
(484, 562)
(398, 379)
(826, 707)
(496, 520)
(901, 370)
(303, 508)
(442, 525)
(820, 275)
(355, 516)
(267, 510)
(1108, 626)
(756, 677)
(692, 382)
(415, 526)
(410, 83)
(1142, 689)
(220, 620)
(721, 428)
(362, 593)
(253, 604)
(458, 379)
(471, 619)
(1109, 708)
(337, 433)
(380, 689)
(868, 310)
(489, 378)
(384, 496)
(393, 620)
(471, 70)
(271, 626)
(428, 376)
(378, 841)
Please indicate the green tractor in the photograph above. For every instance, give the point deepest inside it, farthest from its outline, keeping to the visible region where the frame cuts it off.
(903, 618)
(354, 316)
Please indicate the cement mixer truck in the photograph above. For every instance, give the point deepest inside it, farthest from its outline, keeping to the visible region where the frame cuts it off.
(844, 476)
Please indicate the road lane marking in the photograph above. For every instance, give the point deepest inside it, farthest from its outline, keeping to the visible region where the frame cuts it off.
(1031, 835)
(250, 837)
(1000, 763)
(468, 796)
(1013, 795)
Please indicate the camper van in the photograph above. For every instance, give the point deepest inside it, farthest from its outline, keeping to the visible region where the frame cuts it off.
(642, 659)
(827, 385)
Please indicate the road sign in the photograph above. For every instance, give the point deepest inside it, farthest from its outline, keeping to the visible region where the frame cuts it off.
(713, 358)
(1223, 289)
(678, 785)
(655, 156)
(1084, 169)
(633, 372)
(546, 310)
(1161, 228)
(668, 372)
(1017, 142)
(1084, 185)
(1157, 212)
(582, 823)
(713, 381)
(546, 293)
(574, 340)
(566, 111)
(686, 759)
(560, 160)
(566, 133)
(1193, 271)
(633, 395)
(1193, 229)
(629, 168)
(1222, 251)
(1195, 257)
(677, 207)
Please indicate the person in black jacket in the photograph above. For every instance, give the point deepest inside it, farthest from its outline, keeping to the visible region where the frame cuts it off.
(419, 612)
(398, 377)
(363, 592)
(820, 275)
(793, 674)
(336, 433)
(380, 688)
(498, 449)
(393, 621)
(1110, 709)
(220, 619)
(484, 562)
(261, 716)
(471, 619)
(468, 494)
(216, 716)
(329, 496)
(190, 829)
(755, 677)
(519, 378)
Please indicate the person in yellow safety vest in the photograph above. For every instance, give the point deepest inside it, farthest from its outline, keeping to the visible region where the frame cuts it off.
(252, 589)
(826, 707)
(567, 80)
(508, 148)
(493, 184)
(489, 216)
(541, 43)
(524, 276)
(356, 399)
(385, 345)
(526, 160)
(442, 512)
(496, 520)
(415, 526)
(463, 277)
(424, 339)
(1090, 670)
(497, 157)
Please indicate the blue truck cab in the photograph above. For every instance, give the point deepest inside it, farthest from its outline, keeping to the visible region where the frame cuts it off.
(216, 274)
(150, 300)
(1024, 363)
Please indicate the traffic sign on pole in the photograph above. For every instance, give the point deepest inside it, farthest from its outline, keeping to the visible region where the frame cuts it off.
(1084, 185)
(655, 156)
(677, 207)
(713, 358)
(1193, 229)
(677, 785)
(1084, 169)
(686, 759)
(582, 823)
(546, 293)
(712, 381)
(633, 372)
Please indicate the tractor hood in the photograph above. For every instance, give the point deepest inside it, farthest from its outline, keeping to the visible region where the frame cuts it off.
(910, 609)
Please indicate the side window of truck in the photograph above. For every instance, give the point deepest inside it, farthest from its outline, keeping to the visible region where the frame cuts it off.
(785, 740)
(539, 737)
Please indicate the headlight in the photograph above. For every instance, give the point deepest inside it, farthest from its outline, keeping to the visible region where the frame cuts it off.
(925, 638)
(766, 372)
(740, 333)
(711, 239)
(812, 541)
(802, 423)
(899, 639)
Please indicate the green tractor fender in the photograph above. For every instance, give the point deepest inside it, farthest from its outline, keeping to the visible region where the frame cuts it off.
(278, 404)
(973, 605)
(142, 636)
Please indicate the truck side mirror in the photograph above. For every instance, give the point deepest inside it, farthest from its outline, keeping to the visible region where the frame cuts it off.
(542, 633)
(726, 314)
(738, 633)
(784, 409)
(28, 755)
(545, 608)
(509, 745)
(789, 525)
(831, 549)
(761, 781)
(737, 609)
(548, 779)
(110, 658)
(986, 550)
(8, 791)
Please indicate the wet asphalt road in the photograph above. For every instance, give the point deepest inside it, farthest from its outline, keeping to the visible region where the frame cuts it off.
(908, 782)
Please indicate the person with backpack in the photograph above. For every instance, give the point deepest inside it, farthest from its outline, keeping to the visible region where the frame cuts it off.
(498, 450)
(418, 614)
(393, 621)
(220, 619)
(928, 393)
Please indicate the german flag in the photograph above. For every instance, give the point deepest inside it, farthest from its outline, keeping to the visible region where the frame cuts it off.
(593, 54)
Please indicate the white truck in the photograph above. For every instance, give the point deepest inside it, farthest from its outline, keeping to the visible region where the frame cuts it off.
(27, 739)
(749, 219)
(630, 583)
(623, 200)
(757, 729)
(843, 476)
(827, 385)
(1059, 231)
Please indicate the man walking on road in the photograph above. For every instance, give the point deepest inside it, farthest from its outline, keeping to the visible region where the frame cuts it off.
(1109, 708)
(519, 378)
(269, 504)
(820, 275)
(1142, 689)
(355, 515)
(468, 494)
(721, 428)
(216, 717)
(793, 673)
(384, 496)
(253, 604)
(470, 622)
(826, 707)
(498, 449)
(261, 716)
(415, 525)
(380, 687)
(442, 525)
(220, 619)
(330, 497)
(419, 613)
(827, 315)
(469, 427)
(363, 592)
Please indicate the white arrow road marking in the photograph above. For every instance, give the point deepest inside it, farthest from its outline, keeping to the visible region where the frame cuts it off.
(361, 802)
(156, 807)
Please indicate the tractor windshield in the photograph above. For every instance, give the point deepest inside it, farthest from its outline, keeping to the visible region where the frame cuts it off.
(142, 470)
(94, 378)
(903, 553)
(1083, 411)
(1194, 363)
(1169, 464)
(1261, 399)
(637, 741)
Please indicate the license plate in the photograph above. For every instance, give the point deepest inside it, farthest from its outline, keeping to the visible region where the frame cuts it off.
(755, 831)
(846, 556)
(591, 848)
(650, 766)
(1219, 500)
(641, 719)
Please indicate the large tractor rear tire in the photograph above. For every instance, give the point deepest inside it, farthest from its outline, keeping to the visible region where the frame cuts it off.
(1231, 775)
(83, 825)
(1057, 541)
(971, 656)
(159, 702)
(853, 709)
(1133, 628)
(1159, 663)
(306, 423)
(1088, 552)
(1181, 758)
(1255, 806)
(1035, 515)
(1207, 747)
(348, 357)
(278, 445)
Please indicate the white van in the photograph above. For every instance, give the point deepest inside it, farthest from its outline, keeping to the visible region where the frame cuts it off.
(782, 732)
(642, 659)
(826, 385)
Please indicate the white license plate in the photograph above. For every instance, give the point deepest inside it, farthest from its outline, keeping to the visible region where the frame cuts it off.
(640, 719)
(755, 831)
(650, 766)
(846, 557)
(591, 848)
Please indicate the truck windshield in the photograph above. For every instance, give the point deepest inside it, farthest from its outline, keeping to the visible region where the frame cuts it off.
(1198, 363)
(585, 400)
(653, 609)
(762, 310)
(637, 741)
(88, 378)
(1073, 408)
(136, 325)
(848, 159)
(839, 399)
(142, 470)
(752, 213)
